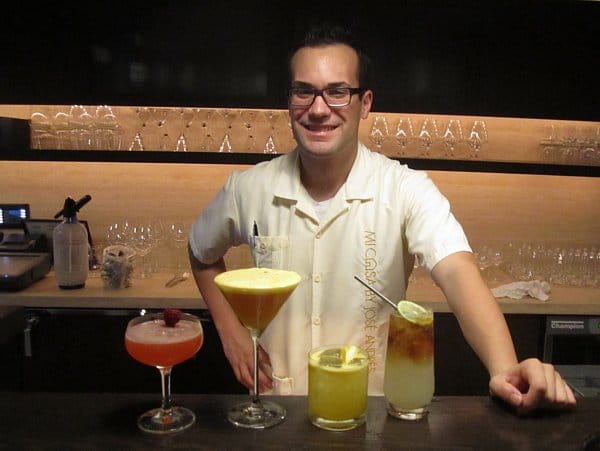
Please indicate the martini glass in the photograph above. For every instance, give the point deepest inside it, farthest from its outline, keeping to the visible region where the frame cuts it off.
(256, 295)
(150, 341)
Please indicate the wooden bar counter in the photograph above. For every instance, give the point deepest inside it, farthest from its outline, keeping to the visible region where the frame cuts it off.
(108, 421)
(152, 293)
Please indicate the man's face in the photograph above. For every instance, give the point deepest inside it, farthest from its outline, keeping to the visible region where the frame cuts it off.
(322, 131)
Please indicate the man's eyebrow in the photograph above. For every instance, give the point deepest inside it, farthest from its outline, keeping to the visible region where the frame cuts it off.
(302, 84)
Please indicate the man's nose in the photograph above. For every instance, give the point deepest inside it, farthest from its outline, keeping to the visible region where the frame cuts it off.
(319, 106)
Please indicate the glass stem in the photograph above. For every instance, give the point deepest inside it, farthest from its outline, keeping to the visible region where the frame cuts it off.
(165, 384)
(256, 395)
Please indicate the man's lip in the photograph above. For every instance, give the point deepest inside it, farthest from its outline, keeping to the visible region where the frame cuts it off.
(319, 128)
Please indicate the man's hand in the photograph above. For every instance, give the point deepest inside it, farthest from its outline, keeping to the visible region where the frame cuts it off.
(239, 350)
(532, 385)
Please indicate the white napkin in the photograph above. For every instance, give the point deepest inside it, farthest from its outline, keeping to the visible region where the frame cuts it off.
(538, 289)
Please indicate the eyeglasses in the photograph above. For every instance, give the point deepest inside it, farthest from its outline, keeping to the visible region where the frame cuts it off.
(334, 97)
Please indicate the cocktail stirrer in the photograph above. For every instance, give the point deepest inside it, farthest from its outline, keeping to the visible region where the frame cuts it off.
(386, 299)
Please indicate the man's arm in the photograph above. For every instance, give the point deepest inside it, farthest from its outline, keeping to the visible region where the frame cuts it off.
(526, 385)
(235, 338)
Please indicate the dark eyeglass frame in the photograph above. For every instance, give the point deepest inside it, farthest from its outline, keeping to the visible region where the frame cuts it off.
(323, 93)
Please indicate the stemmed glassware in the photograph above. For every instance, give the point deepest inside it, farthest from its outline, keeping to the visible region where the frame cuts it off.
(143, 114)
(477, 137)
(154, 340)
(228, 117)
(142, 239)
(205, 116)
(272, 119)
(81, 124)
(379, 131)
(248, 119)
(256, 295)
(118, 233)
(164, 141)
(42, 135)
(179, 236)
(452, 136)
(60, 124)
(108, 130)
(404, 134)
(186, 118)
(428, 135)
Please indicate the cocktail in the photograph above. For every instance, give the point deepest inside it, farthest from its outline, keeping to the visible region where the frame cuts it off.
(256, 295)
(409, 376)
(337, 387)
(163, 340)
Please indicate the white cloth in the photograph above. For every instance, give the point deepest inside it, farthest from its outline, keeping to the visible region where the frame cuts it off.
(517, 290)
(384, 213)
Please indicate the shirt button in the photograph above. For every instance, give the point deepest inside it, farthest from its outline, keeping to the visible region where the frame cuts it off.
(317, 278)
(318, 235)
(316, 320)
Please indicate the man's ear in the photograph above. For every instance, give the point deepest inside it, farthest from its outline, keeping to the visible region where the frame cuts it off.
(366, 102)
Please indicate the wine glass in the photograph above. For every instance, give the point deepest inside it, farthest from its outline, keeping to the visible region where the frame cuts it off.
(108, 130)
(161, 115)
(379, 131)
(81, 126)
(477, 137)
(452, 136)
(142, 239)
(179, 236)
(228, 117)
(248, 118)
(118, 233)
(256, 295)
(154, 340)
(42, 135)
(272, 119)
(61, 127)
(142, 116)
(186, 118)
(428, 135)
(404, 133)
(208, 143)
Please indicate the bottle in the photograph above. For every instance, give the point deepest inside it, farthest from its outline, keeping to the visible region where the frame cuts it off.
(70, 246)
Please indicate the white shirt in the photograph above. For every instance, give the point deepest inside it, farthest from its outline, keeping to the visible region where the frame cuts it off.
(384, 214)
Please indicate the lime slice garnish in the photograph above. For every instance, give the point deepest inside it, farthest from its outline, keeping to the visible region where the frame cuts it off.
(415, 313)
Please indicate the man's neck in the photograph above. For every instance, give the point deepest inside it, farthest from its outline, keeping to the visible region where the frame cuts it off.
(323, 177)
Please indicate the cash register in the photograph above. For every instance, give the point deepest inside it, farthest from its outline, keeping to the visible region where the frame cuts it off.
(24, 257)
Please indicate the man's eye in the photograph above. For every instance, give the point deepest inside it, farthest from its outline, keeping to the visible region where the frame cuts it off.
(336, 92)
(303, 92)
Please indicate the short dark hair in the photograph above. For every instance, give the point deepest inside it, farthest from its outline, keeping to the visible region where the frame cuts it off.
(327, 33)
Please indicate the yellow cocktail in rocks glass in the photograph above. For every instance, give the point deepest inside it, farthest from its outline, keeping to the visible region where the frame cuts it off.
(164, 340)
(409, 381)
(256, 295)
(337, 387)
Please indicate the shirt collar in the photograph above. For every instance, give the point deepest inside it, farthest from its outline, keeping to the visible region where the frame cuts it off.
(356, 187)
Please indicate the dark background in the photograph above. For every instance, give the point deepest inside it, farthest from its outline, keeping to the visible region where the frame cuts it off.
(523, 58)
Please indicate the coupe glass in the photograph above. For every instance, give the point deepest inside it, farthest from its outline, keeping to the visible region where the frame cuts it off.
(150, 341)
(256, 295)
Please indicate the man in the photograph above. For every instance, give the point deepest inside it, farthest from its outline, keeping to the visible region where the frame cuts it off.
(332, 209)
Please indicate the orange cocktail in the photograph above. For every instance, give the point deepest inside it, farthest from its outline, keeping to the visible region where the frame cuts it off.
(256, 295)
(155, 344)
(163, 340)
